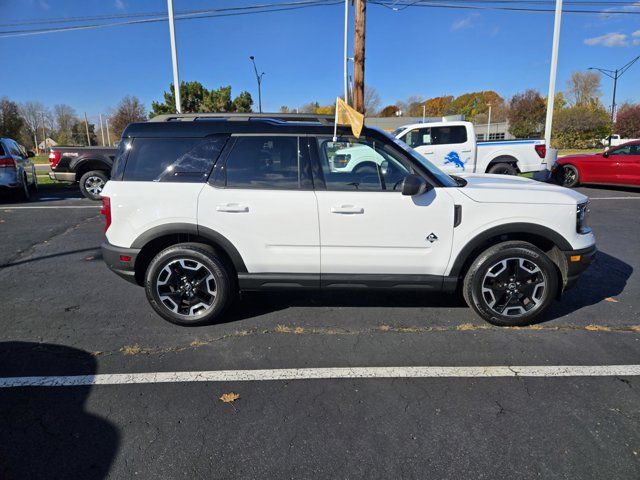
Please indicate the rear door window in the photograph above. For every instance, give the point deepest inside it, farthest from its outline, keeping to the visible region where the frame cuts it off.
(448, 135)
(269, 162)
(171, 159)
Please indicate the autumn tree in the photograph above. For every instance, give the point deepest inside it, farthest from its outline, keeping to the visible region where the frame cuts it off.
(129, 110)
(579, 126)
(527, 112)
(389, 111)
(628, 121)
(583, 89)
(10, 121)
(438, 106)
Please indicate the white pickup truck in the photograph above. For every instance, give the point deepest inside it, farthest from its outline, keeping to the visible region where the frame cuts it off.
(453, 148)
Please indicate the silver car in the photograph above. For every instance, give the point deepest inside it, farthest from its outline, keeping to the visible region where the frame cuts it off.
(17, 171)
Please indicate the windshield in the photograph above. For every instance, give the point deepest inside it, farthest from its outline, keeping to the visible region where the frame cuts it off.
(442, 177)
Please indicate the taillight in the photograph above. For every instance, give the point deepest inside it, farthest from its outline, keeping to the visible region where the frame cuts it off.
(541, 150)
(54, 158)
(7, 162)
(106, 211)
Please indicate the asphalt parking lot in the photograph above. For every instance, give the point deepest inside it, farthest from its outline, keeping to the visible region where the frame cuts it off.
(63, 313)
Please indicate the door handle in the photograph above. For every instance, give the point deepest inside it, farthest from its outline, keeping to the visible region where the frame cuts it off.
(466, 151)
(232, 208)
(347, 209)
(429, 153)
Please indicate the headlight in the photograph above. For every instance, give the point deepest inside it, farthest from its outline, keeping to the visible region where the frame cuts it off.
(582, 215)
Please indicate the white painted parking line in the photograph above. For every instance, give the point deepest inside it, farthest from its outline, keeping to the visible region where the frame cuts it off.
(6, 209)
(615, 198)
(322, 373)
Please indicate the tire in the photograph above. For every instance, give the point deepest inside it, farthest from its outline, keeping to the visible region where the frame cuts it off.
(503, 169)
(92, 183)
(168, 291)
(24, 192)
(569, 176)
(34, 184)
(510, 284)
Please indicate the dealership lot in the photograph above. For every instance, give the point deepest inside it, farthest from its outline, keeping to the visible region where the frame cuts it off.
(64, 314)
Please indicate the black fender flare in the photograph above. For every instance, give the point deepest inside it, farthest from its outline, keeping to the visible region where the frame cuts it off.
(506, 229)
(197, 231)
(96, 163)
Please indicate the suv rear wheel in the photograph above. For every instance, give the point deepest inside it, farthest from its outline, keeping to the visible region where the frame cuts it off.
(510, 284)
(92, 183)
(188, 284)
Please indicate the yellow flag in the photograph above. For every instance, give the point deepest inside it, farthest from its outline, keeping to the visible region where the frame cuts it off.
(345, 115)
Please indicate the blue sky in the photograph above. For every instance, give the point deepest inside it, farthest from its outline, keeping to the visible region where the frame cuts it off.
(417, 51)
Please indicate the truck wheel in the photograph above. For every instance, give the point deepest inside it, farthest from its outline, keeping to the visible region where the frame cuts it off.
(503, 169)
(510, 284)
(569, 176)
(92, 183)
(188, 284)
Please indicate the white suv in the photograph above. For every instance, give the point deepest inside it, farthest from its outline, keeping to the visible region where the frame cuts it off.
(202, 206)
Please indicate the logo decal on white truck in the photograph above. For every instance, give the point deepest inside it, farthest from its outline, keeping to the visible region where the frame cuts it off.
(454, 158)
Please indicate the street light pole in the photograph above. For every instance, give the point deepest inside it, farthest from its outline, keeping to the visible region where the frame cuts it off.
(259, 80)
(489, 124)
(615, 75)
(346, 45)
(552, 76)
(174, 58)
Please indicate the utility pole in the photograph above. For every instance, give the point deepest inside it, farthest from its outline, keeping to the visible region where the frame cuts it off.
(86, 126)
(106, 119)
(101, 130)
(424, 112)
(489, 124)
(259, 80)
(551, 97)
(615, 75)
(346, 47)
(358, 58)
(174, 58)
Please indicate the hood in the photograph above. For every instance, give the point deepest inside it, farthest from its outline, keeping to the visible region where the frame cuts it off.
(487, 188)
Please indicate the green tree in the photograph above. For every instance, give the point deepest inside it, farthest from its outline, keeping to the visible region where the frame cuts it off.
(10, 121)
(79, 133)
(628, 121)
(195, 98)
(580, 125)
(527, 112)
(474, 103)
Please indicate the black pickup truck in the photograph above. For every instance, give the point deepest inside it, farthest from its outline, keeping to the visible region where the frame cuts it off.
(89, 166)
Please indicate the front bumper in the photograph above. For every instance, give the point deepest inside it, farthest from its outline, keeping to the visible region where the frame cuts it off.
(577, 262)
(121, 261)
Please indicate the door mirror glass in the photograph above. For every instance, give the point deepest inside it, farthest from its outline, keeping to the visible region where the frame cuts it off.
(414, 185)
(605, 154)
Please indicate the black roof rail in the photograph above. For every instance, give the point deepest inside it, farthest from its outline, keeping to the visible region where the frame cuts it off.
(244, 117)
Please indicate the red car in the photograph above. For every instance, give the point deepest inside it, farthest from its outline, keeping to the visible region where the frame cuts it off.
(617, 166)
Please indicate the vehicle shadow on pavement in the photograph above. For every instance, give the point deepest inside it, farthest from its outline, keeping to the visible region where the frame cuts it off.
(97, 256)
(254, 304)
(44, 193)
(46, 431)
(605, 278)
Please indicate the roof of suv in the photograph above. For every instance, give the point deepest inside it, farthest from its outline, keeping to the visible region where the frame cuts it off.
(200, 125)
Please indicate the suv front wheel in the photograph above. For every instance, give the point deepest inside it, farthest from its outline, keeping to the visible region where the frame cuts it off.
(188, 284)
(510, 284)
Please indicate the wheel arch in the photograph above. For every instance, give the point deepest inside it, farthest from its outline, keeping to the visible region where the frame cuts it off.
(88, 164)
(546, 239)
(158, 238)
(503, 158)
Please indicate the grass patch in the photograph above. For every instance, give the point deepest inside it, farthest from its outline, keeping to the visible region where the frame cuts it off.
(576, 151)
(40, 160)
(46, 182)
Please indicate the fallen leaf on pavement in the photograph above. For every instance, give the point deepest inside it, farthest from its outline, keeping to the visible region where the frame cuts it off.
(611, 299)
(597, 328)
(90, 257)
(229, 397)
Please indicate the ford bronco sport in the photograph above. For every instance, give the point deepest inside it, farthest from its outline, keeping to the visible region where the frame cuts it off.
(202, 206)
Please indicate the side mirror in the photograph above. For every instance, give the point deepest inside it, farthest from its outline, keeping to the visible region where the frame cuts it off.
(414, 185)
(605, 154)
(30, 154)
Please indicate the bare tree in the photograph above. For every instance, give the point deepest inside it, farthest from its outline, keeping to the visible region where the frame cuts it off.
(583, 88)
(64, 117)
(371, 101)
(129, 110)
(32, 112)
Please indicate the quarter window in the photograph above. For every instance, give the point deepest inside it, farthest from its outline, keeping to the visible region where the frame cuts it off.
(269, 162)
(361, 164)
